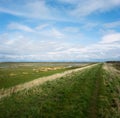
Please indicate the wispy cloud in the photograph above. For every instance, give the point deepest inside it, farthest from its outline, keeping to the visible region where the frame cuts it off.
(71, 29)
(10, 11)
(17, 26)
(112, 24)
(40, 27)
(84, 8)
(59, 30)
(36, 9)
(33, 9)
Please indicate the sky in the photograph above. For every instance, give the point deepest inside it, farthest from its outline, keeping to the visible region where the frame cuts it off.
(59, 30)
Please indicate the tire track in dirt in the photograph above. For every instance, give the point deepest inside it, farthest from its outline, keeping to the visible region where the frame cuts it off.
(36, 82)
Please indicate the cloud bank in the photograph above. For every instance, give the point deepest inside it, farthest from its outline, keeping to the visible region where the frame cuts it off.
(60, 30)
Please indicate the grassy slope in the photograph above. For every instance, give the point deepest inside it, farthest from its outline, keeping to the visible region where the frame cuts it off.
(109, 103)
(81, 95)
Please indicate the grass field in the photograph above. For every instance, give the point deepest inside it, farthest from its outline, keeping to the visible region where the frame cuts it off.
(91, 93)
(12, 74)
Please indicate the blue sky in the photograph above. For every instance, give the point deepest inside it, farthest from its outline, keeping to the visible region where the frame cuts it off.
(59, 30)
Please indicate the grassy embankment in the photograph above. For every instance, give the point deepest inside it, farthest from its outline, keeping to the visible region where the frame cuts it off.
(86, 94)
(110, 97)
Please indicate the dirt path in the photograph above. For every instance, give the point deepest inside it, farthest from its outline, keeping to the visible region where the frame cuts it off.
(28, 85)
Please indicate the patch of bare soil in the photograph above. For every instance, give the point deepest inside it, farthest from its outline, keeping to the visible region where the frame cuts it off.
(36, 82)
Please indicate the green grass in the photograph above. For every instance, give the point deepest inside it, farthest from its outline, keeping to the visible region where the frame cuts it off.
(68, 97)
(91, 93)
(109, 101)
(12, 74)
(18, 77)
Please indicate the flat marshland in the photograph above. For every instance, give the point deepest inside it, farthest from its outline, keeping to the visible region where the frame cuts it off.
(12, 74)
(93, 92)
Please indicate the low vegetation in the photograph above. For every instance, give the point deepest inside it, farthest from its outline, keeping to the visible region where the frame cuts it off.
(116, 64)
(110, 96)
(91, 93)
(12, 74)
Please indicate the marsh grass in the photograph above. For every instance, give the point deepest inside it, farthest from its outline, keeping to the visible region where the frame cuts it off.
(67, 97)
(91, 93)
(13, 76)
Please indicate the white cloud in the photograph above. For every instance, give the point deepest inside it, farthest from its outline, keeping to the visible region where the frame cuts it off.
(50, 33)
(17, 26)
(45, 42)
(71, 29)
(43, 31)
(11, 11)
(104, 31)
(112, 24)
(111, 38)
(56, 33)
(88, 7)
(90, 25)
(39, 9)
(106, 49)
(70, 1)
(40, 27)
(32, 9)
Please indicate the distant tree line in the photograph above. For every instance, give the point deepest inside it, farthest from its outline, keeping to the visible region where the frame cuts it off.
(112, 61)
